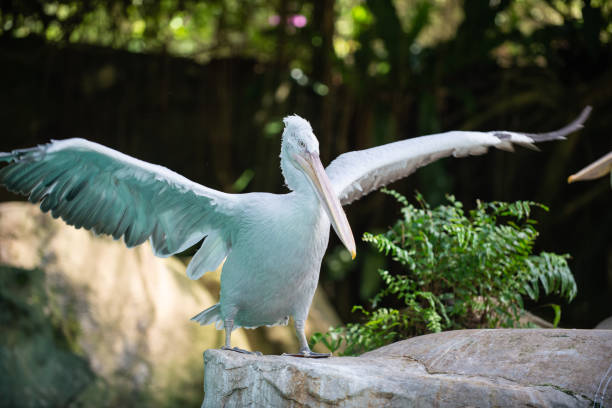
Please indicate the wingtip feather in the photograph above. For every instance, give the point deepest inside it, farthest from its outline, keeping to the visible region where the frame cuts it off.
(560, 134)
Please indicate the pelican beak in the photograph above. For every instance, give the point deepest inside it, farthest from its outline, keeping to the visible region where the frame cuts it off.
(598, 168)
(311, 164)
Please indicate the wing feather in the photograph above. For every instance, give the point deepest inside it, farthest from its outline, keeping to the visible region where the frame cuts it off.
(94, 187)
(355, 174)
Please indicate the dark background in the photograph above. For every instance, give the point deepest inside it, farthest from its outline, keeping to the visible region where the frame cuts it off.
(201, 88)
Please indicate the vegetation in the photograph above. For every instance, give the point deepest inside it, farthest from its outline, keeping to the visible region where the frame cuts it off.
(459, 270)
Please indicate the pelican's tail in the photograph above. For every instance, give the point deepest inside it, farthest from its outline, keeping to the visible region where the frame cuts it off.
(208, 316)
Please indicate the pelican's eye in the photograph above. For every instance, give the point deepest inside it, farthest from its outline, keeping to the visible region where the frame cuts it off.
(302, 144)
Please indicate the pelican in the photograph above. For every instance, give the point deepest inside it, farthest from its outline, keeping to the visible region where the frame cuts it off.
(270, 246)
(597, 169)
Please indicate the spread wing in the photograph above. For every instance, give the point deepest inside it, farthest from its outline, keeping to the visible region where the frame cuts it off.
(95, 187)
(355, 174)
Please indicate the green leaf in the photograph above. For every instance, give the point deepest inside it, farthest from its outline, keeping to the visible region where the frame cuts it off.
(454, 269)
(557, 310)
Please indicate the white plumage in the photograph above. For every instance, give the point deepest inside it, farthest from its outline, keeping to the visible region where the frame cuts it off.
(355, 174)
(272, 244)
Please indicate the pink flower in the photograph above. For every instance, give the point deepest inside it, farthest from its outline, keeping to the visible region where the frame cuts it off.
(298, 20)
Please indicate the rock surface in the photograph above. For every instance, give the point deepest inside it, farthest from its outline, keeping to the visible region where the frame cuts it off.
(476, 368)
(605, 324)
(86, 321)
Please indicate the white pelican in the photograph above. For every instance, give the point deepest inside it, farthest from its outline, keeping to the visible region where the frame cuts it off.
(597, 169)
(272, 244)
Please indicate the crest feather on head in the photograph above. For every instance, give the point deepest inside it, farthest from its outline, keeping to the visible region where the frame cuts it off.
(295, 122)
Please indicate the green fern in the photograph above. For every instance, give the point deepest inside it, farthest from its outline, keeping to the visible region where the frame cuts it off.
(458, 270)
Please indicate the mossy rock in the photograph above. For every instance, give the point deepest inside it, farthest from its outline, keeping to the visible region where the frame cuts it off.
(38, 366)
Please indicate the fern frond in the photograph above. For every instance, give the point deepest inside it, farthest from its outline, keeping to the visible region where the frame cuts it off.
(459, 269)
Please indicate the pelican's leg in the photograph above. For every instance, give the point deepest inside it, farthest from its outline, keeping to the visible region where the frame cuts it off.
(304, 349)
(228, 325)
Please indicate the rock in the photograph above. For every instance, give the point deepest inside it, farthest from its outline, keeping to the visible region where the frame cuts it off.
(478, 368)
(31, 348)
(85, 320)
(123, 313)
(605, 324)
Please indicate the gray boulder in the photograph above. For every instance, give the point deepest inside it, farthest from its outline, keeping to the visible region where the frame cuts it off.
(605, 324)
(476, 368)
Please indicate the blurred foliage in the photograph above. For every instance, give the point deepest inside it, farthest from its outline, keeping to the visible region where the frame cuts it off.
(394, 37)
(459, 271)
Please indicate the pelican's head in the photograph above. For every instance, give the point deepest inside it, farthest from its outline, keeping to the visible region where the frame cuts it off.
(303, 171)
(298, 136)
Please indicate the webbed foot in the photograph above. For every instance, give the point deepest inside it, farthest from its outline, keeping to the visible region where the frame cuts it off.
(308, 354)
(239, 350)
